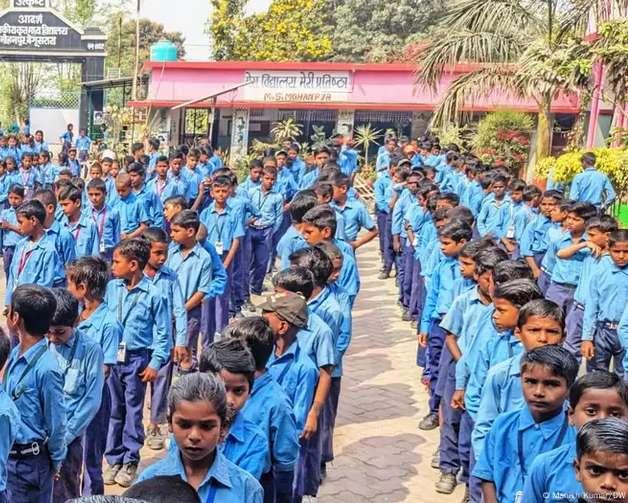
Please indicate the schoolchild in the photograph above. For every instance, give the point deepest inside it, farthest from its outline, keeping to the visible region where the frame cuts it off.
(164, 186)
(596, 395)
(149, 199)
(383, 189)
(144, 349)
(132, 212)
(192, 174)
(29, 176)
(321, 159)
(153, 155)
(604, 305)
(269, 408)
(592, 186)
(325, 195)
(354, 212)
(197, 419)
(557, 232)
(287, 187)
(72, 163)
(9, 420)
(518, 437)
(245, 444)
(87, 282)
(292, 240)
(295, 164)
(8, 223)
(495, 211)
(34, 382)
(254, 179)
(105, 219)
(48, 172)
(82, 228)
(80, 359)
(178, 184)
(520, 217)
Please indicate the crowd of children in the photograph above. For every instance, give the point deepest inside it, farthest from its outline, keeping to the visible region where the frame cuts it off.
(133, 282)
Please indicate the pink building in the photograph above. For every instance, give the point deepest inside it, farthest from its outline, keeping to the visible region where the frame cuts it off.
(247, 97)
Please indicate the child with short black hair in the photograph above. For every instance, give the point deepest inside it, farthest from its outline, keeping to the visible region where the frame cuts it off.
(82, 228)
(594, 396)
(106, 220)
(517, 437)
(292, 240)
(134, 218)
(56, 233)
(495, 210)
(354, 212)
(8, 225)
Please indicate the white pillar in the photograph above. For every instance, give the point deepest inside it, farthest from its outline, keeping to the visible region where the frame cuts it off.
(239, 134)
(345, 121)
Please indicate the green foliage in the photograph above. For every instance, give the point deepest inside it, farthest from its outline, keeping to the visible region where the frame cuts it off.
(319, 138)
(80, 12)
(226, 26)
(364, 136)
(287, 129)
(611, 49)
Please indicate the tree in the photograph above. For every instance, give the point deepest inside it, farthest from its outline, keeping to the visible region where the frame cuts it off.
(378, 30)
(226, 25)
(120, 45)
(519, 45)
(80, 12)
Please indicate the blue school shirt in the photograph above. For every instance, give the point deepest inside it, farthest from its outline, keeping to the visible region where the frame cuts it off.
(500, 461)
(607, 297)
(285, 184)
(194, 177)
(297, 374)
(103, 328)
(521, 219)
(193, 270)
(167, 282)
(74, 166)
(9, 238)
(493, 217)
(222, 227)
(41, 146)
(39, 398)
(554, 235)
(143, 313)
(568, 270)
(219, 273)
(63, 241)
(290, 242)
(462, 318)
(347, 160)
(592, 186)
(83, 143)
(589, 265)
(399, 213)
(176, 185)
(112, 193)
(296, 167)
(9, 423)
(501, 393)
(152, 205)
(317, 340)
(356, 217)
(440, 291)
(226, 481)
(349, 278)
(247, 185)
(246, 446)
(48, 174)
(34, 262)
(383, 188)
(346, 326)
(4, 189)
(309, 178)
(269, 408)
(267, 208)
(85, 236)
(131, 212)
(107, 223)
(81, 362)
(534, 239)
(29, 179)
(382, 162)
(552, 473)
(472, 196)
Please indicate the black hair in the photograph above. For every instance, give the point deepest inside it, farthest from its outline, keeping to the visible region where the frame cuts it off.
(341, 181)
(517, 184)
(161, 158)
(154, 142)
(589, 158)
(36, 305)
(603, 435)
(155, 235)
(603, 223)
(71, 193)
(456, 231)
(46, 197)
(585, 211)
(518, 292)
(530, 192)
(556, 195)
(488, 258)
(316, 261)
(136, 146)
(136, 249)
(320, 150)
(450, 197)
(565, 205)
(475, 246)
(270, 170)
(92, 272)
(321, 216)
(437, 214)
(619, 236)
(301, 203)
(163, 489)
(461, 214)
(67, 310)
(255, 163)
(229, 354)
(256, 334)
(295, 279)
(543, 308)
(32, 209)
(5, 348)
(598, 379)
(561, 362)
(176, 201)
(16, 189)
(511, 269)
(188, 219)
(222, 181)
(324, 189)
(136, 167)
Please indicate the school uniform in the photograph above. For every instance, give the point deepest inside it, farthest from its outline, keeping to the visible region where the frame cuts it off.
(269, 408)
(603, 309)
(176, 185)
(493, 217)
(9, 424)
(383, 189)
(513, 443)
(83, 144)
(398, 228)
(29, 179)
(347, 160)
(268, 211)
(224, 483)
(63, 241)
(193, 177)
(10, 239)
(552, 474)
(34, 382)
(349, 278)
(112, 193)
(131, 213)
(246, 446)
(382, 163)
(290, 242)
(534, 239)
(107, 223)
(74, 166)
(241, 268)
(41, 146)
(80, 359)
(103, 328)
(414, 286)
(48, 174)
(152, 205)
(309, 178)
(472, 196)
(297, 167)
(85, 236)
(143, 313)
(594, 187)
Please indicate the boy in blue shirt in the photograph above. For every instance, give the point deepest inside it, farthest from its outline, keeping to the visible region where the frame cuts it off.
(245, 444)
(132, 213)
(34, 382)
(87, 282)
(83, 144)
(269, 407)
(81, 361)
(81, 227)
(354, 212)
(28, 176)
(596, 395)
(383, 188)
(56, 234)
(591, 186)
(518, 437)
(106, 220)
(164, 186)
(321, 159)
(48, 172)
(604, 305)
(148, 198)
(144, 349)
(9, 420)
(193, 175)
(197, 418)
(495, 210)
(8, 224)
(293, 240)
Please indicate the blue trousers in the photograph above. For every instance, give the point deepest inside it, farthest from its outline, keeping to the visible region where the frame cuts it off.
(543, 281)
(69, 485)
(7, 258)
(464, 444)
(450, 424)
(607, 346)
(405, 285)
(159, 393)
(194, 328)
(330, 423)
(215, 313)
(573, 324)
(399, 265)
(417, 292)
(261, 242)
(95, 443)
(286, 222)
(126, 431)
(241, 273)
(29, 480)
(307, 473)
(384, 224)
(435, 341)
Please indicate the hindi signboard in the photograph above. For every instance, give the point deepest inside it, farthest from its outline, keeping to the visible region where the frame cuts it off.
(297, 86)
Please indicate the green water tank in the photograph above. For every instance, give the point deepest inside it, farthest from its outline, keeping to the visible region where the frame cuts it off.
(164, 50)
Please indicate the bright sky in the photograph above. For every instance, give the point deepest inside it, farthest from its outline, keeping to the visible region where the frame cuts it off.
(191, 21)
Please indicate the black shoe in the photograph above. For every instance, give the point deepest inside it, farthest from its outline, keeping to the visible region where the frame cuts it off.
(323, 472)
(406, 316)
(429, 422)
(383, 275)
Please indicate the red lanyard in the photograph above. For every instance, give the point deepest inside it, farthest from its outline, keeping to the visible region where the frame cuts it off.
(23, 260)
(101, 226)
(78, 232)
(158, 189)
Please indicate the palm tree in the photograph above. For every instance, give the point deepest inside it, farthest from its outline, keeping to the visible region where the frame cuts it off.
(286, 129)
(364, 136)
(520, 46)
